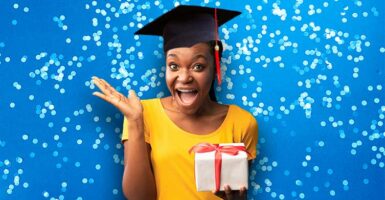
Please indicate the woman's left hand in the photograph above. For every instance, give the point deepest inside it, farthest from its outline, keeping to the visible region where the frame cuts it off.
(229, 194)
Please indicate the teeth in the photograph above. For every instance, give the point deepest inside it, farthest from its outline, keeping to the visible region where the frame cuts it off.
(183, 90)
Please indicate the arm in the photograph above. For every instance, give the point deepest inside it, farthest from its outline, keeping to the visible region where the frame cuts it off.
(138, 179)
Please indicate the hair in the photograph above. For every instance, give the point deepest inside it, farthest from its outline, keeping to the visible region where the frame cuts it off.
(212, 52)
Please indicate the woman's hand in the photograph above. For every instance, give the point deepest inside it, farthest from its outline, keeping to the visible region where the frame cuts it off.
(131, 107)
(229, 194)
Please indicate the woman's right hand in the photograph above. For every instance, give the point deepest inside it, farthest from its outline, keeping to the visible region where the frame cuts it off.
(229, 194)
(131, 107)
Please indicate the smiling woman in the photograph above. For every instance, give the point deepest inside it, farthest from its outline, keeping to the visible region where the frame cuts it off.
(189, 76)
(158, 133)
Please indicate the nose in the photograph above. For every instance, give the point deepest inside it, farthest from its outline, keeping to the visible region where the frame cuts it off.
(184, 76)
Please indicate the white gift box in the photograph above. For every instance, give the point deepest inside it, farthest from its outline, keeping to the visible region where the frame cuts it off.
(234, 170)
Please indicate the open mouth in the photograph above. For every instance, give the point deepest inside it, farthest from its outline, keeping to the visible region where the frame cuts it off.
(187, 96)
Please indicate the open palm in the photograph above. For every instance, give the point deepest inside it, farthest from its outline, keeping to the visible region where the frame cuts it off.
(130, 106)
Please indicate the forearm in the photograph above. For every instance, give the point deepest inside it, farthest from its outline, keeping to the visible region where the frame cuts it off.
(138, 179)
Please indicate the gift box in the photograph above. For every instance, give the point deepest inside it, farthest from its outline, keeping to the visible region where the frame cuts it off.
(217, 165)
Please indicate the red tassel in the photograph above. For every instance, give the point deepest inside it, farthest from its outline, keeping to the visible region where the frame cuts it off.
(218, 65)
(217, 61)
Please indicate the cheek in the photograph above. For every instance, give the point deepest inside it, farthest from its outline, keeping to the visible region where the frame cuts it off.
(205, 80)
(169, 77)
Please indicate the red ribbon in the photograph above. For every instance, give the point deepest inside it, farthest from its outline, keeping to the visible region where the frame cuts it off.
(228, 149)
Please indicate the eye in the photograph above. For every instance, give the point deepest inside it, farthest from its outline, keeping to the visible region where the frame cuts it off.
(198, 67)
(173, 66)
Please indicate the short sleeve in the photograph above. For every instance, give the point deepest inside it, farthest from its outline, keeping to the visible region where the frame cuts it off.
(125, 132)
(250, 137)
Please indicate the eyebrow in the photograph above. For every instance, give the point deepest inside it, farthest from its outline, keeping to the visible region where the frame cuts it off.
(172, 55)
(194, 58)
(199, 56)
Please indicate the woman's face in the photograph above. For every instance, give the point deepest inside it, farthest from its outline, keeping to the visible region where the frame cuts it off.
(189, 74)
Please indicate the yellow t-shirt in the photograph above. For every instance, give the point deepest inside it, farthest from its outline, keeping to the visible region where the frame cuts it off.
(172, 164)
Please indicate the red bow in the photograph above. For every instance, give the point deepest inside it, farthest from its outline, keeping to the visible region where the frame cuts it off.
(228, 149)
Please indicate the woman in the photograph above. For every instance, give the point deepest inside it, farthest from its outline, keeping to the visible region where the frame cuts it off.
(157, 133)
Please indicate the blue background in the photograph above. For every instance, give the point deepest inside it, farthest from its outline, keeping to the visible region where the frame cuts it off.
(311, 72)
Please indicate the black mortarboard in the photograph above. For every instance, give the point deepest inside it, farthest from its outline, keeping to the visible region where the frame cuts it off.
(185, 26)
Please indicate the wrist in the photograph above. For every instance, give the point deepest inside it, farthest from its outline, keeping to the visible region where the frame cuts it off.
(134, 118)
(136, 128)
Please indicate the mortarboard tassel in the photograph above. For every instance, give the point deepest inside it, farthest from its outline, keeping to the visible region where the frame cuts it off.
(216, 49)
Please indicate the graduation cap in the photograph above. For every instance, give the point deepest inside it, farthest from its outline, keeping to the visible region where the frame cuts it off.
(185, 26)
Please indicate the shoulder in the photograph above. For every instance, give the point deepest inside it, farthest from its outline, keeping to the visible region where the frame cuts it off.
(151, 111)
(150, 106)
(147, 103)
(241, 116)
(241, 112)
